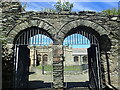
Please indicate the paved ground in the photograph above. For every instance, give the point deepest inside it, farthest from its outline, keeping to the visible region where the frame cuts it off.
(37, 80)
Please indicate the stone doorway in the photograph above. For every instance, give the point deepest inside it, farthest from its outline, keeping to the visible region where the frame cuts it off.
(81, 45)
(33, 60)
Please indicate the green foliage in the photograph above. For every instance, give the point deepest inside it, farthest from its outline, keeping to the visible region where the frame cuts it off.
(72, 68)
(112, 11)
(46, 67)
(24, 5)
(65, 6)
(119, 11)
(59, 6)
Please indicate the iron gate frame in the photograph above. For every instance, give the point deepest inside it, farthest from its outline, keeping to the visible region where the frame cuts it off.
(93, 41)
(23, 38)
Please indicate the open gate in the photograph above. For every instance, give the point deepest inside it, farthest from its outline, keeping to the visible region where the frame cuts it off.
(24, 41)
(22, 62)
(94, 68)
(81, 37)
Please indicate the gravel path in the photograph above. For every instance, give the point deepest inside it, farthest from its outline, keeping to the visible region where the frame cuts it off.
(37, 80)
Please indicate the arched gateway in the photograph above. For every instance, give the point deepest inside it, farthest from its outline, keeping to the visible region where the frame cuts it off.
(57, 27)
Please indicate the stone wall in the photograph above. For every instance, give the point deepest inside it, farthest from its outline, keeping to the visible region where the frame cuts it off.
(105, 28)
(9, 11)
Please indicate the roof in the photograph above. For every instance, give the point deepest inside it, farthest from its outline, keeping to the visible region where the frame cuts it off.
(79, 51)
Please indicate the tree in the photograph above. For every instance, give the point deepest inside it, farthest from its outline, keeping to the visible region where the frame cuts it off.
(112, 11)
(65, 6)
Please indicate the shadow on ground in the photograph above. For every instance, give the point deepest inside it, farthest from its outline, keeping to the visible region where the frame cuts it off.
(31, 73)
(77, 84)
(41, 85)
(38, 85)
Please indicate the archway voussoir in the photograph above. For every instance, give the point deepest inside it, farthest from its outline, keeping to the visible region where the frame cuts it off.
(41, 24)
(49, 28)
(65, 30)
(46, 26)
(26, 24)
(14, 32)
(73, 24)
(22, 26)
(33, 22)
(51, 31)
(94, 26)
(80, 22)
(9, 40)
(106, 27)
(100, 30)
(17, 28)
(88, 24)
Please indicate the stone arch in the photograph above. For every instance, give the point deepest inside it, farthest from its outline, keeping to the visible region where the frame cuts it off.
(97, 29)
(81, 22)
(27, 24)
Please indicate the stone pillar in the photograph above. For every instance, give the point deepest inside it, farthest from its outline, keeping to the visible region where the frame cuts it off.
(0, 66)
(7, 64)
(119, 50)
(119, 65)
(81, 59)
(34, 57)
(58, 77)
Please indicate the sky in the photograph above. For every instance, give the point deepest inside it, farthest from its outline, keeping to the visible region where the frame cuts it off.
(79, 5)
(74, 41)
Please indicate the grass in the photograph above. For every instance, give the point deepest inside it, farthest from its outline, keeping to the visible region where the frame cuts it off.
(66, 68)
(72, 68)
(46, 67)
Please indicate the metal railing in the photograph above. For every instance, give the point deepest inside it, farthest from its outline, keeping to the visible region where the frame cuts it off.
(80, 38)
(33, 36)
(94, 78)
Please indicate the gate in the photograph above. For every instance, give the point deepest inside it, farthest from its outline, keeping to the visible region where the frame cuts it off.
(94, 68)
(74, 59)
(33, 48)
(22, 62)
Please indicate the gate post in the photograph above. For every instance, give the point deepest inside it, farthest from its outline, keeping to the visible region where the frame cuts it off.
(58, 77)
(7, 64)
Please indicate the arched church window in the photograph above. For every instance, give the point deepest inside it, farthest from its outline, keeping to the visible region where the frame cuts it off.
(39, 57)
(85, 59)
(76, 59)
(45, 58)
